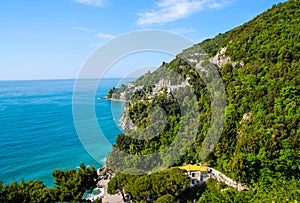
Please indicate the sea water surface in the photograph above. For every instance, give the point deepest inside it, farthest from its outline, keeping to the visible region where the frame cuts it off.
(37, 130)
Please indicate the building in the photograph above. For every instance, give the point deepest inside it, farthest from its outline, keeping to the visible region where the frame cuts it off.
(197, 173)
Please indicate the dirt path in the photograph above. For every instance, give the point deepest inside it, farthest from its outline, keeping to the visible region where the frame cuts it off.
(110, 198)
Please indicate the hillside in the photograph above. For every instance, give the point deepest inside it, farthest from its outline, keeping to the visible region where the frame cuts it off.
(260, 142)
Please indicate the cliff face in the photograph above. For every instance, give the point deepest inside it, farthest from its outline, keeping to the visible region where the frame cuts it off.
(221, 59)
(126, 123)
(155, 90)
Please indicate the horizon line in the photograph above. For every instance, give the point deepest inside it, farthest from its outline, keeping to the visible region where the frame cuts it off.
(44, 79)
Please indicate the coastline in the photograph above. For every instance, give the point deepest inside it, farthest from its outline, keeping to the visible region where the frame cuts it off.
(104, 176)
(115, 100)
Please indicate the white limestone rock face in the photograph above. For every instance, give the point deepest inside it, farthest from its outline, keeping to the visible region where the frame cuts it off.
(126, 123)
(220, 58)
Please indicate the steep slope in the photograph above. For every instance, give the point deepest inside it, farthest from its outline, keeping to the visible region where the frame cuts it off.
(259, 65)
(263, 87)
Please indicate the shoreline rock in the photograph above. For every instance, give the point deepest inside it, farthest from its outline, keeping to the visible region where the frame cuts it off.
(115, 100)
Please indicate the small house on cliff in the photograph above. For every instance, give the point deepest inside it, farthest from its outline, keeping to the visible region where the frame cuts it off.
(197, 173)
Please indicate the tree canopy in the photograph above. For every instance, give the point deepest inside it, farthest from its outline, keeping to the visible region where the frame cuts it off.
(259, 64)
(70, 186)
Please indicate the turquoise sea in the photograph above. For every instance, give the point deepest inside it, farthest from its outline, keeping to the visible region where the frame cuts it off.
(37, 130)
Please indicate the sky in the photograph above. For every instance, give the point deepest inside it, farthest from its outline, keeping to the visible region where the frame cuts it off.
(52, 39)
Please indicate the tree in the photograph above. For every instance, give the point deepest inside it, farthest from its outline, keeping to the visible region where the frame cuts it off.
(117, 184)
(166, 199)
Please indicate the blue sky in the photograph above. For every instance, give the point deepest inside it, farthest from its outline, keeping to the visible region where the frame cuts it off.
(51, 39)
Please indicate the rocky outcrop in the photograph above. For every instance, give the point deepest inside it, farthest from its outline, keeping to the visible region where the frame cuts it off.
(220, 59)
(160, 85)
(228, 181)
(125, 122)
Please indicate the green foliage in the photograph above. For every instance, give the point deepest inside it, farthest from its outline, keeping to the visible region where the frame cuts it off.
(155, 135)
(276, 191)
(151, 187)
(110, 93)
(31, 191)
(261, 137)
(70, 186)
(266, 90)
(166, 199)
(192, 194)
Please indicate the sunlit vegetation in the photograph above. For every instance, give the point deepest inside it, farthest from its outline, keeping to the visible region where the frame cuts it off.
(70, 186)
(261, 138)
(260, 143)
(168, 184)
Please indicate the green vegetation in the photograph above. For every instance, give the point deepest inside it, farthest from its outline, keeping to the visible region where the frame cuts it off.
(260, 142)
(168, 184)
(70, 186)
(157, 112)
(277, 191)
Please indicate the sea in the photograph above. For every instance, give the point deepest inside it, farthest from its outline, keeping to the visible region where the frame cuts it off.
(37, 130)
